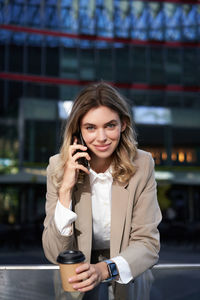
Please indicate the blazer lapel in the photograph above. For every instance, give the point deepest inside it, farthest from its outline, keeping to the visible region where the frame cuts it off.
(118, 214)
(83, 223)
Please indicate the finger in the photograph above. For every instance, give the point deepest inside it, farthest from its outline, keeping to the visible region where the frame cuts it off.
(86, 285)
(80, 277)
(75, 147)
(84, 276)
(83, 272)
(75, 141)
(84, 169)
(81, 154)
(83, 267)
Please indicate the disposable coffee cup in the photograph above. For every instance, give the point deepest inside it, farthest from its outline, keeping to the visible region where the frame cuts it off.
(68, 261)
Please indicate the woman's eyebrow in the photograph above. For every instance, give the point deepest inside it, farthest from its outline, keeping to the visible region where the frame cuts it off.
(91, 124)
(111, 121)
(88, 124)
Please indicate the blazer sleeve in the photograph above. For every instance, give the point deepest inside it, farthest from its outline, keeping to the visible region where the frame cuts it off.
(53, 242)
(144, 240)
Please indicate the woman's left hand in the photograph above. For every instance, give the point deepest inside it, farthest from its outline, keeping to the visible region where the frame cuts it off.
(88, 276)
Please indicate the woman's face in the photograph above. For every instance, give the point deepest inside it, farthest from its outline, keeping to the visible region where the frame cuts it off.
(101, 129)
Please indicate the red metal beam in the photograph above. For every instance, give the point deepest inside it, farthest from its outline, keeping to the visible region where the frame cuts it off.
(66, 81)
(30, 30)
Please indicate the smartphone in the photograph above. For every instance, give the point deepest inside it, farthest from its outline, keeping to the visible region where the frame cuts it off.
(82, 160)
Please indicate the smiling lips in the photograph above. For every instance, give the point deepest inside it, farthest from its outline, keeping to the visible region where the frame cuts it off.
(102, 147)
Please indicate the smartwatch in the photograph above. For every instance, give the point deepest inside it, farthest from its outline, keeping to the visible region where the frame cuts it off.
(112, 270)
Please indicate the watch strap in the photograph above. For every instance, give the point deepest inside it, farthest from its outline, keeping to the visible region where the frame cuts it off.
(112, 269)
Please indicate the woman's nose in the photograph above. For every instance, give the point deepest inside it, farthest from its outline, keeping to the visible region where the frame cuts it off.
(101, 135)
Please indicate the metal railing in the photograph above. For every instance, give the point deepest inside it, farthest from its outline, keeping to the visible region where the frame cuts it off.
(162, 282)
(55, 267)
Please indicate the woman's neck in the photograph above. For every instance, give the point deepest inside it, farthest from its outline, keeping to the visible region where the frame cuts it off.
(100, 165)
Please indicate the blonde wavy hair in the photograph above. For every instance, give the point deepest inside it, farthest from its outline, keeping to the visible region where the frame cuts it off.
(95, 95)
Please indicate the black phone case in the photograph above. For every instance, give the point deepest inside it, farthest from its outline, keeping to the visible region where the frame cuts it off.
(82, 161)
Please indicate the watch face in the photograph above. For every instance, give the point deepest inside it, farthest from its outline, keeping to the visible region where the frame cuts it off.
(113, 270)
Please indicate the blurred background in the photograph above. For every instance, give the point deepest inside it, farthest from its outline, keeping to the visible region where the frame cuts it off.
(49, 50)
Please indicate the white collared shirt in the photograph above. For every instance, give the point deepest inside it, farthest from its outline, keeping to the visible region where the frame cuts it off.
(101, 189)
(101, 185)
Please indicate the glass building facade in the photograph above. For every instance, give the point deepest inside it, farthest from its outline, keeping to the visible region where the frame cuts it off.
(49, 50)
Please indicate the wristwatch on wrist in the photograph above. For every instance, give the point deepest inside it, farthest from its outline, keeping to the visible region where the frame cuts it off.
(112, 270)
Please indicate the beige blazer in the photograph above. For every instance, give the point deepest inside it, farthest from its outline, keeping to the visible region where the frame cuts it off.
(135, 215)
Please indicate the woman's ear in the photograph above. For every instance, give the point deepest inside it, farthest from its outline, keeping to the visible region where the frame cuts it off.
(123, 126)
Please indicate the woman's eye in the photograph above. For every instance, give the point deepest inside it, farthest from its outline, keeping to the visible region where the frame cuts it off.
(90, 127)
(111, 125)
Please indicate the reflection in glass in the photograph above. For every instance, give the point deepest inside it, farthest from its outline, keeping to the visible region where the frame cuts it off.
(188, 17)
(104, 21)
(51, 14)
(69, 20)
(9, 206)
(69, 16)
(172, 14)
(34, 15)
(16, 10)
(156, 19)
(35, 18)
(198, 21)
(104, 62)
(139, 20)
(122, 18)
(104, 18)
(87, 16)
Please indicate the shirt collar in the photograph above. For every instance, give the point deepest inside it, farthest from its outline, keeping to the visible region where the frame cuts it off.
(100, 176)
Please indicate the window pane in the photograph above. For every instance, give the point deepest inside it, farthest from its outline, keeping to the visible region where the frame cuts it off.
(69, 63)
(68, 92)
(156, 70)
(138, 98)
(189, 21)
(104, 66)
(16, 58)
(190, 72)
(69, 16)
(172, 13)
(156, 99)
(40, 140)
(139, 20)
(87, 64)
(34, 60)
(2, 57)
(156, 21)
(87, 16)
(191, 100)
(52, 61)
(9, 141)
(173, 100)
(104, 17)
(122, 18)
(173, 66)
(140, 64)
(122, 64)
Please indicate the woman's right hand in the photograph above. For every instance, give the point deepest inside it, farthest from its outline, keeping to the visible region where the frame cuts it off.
(71, 171)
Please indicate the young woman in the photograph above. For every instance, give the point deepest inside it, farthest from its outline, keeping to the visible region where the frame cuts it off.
(109, 208)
